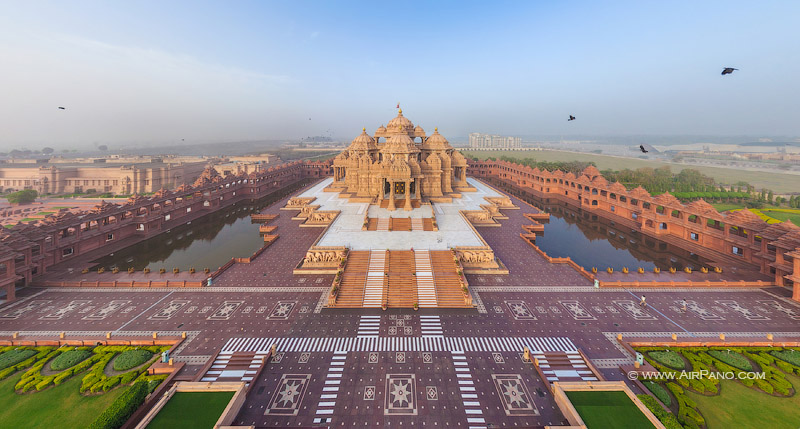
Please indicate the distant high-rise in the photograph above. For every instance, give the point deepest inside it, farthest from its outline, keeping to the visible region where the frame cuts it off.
(490, 141)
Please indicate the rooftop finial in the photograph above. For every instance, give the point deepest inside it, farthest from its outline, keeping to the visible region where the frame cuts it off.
(436, 130)
(364, 129)
(399, 111)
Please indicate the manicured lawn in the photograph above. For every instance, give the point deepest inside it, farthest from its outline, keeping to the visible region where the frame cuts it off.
(782, 216)
(608, 410)
(778, 182)
(58, 407)
(131, 359)
(723, 207)
(738, 406)
(191, 410)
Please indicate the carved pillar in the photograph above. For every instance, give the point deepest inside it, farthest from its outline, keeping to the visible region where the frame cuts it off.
(408, 196)
(391, 195)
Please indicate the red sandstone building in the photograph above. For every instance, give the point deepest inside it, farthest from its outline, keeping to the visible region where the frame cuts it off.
(736, 238)
(27, 250)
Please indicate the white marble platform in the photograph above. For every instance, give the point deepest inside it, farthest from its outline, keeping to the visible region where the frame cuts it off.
(453, 229)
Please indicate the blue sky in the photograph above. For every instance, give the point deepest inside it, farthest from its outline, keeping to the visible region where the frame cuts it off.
(157, 72)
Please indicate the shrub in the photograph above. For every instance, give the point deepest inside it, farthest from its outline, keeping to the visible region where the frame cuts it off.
(122, 408)
(131, 359)
(69, 359)
(790, 355)
(22, 197)
(13, 357)
(668, 419)
(660, 392)
(764, 385)
(734, 359)
(669, 358)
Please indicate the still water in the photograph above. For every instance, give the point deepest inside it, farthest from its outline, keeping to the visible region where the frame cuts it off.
(210, 241)
(592, 241)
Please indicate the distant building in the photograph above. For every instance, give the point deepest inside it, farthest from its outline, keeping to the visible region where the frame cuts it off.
(118, 174)
(491, 141)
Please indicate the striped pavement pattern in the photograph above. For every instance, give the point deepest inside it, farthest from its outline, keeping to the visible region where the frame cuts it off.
(417, 224)
(403, 344)
(330, 391)
(235, 366)
(430, 326)
(472, 407)
(563, 366)
(368, 326)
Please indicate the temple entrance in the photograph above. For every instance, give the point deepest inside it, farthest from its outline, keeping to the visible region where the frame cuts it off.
(400, 188)
(412, 188)
(386, 187)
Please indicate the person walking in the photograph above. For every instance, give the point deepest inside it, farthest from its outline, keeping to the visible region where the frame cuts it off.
(643, 303)
(683, 306)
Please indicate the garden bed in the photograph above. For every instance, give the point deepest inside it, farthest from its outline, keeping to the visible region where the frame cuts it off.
(191, 410)
(607, 409)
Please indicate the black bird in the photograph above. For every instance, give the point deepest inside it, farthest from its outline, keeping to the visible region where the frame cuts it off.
(571, 118)
(728, 70)
(62, 108)
(641, 148)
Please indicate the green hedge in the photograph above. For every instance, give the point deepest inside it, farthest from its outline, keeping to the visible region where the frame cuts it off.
(69, 359)
(733, 359)
(789, 355)
(665, 417)
(13, 357)
(122, 408)
(660, 392)
(669, 358)
(687, 413)
(131, 359)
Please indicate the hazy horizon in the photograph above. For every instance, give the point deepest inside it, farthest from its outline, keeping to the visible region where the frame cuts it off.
(150, 73)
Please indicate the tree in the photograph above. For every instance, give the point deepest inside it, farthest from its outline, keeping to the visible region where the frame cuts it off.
(770, 196)
(102, 147)
(47, 150)
(23, 197)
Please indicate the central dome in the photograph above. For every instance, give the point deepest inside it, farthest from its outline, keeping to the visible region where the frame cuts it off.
(400, 123)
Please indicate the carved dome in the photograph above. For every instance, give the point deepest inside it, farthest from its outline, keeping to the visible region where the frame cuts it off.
(436, 142)
(399, 143)
(400, 123)
(363, 142)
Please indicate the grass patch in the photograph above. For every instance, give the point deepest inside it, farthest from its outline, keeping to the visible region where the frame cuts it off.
(607, 410)
(58, 407)
(723, 207)
(792, 356)
(669, 358)
(131, 359)
(13, 357)
(778, 182)
(191, 410)
(736, 360)
(738, 406)
(28, 219)
(69, 359)
(783, 215)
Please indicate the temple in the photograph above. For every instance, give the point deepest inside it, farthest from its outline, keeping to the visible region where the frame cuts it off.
(400, 166)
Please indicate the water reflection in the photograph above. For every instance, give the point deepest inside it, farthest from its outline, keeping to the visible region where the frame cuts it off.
(593, 241)
(210, 241)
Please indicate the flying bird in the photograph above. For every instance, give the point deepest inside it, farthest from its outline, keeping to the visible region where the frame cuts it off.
(641, 148)
(62, 108)
(571, 118)
(728, 70)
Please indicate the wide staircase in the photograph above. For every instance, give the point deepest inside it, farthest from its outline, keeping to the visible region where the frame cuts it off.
(417, 224)
(400, 278)
(354, 277)
(401, 224)
(383, 224)
(426, 290)
(447, 279)
(376, 279)
(402, 291)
